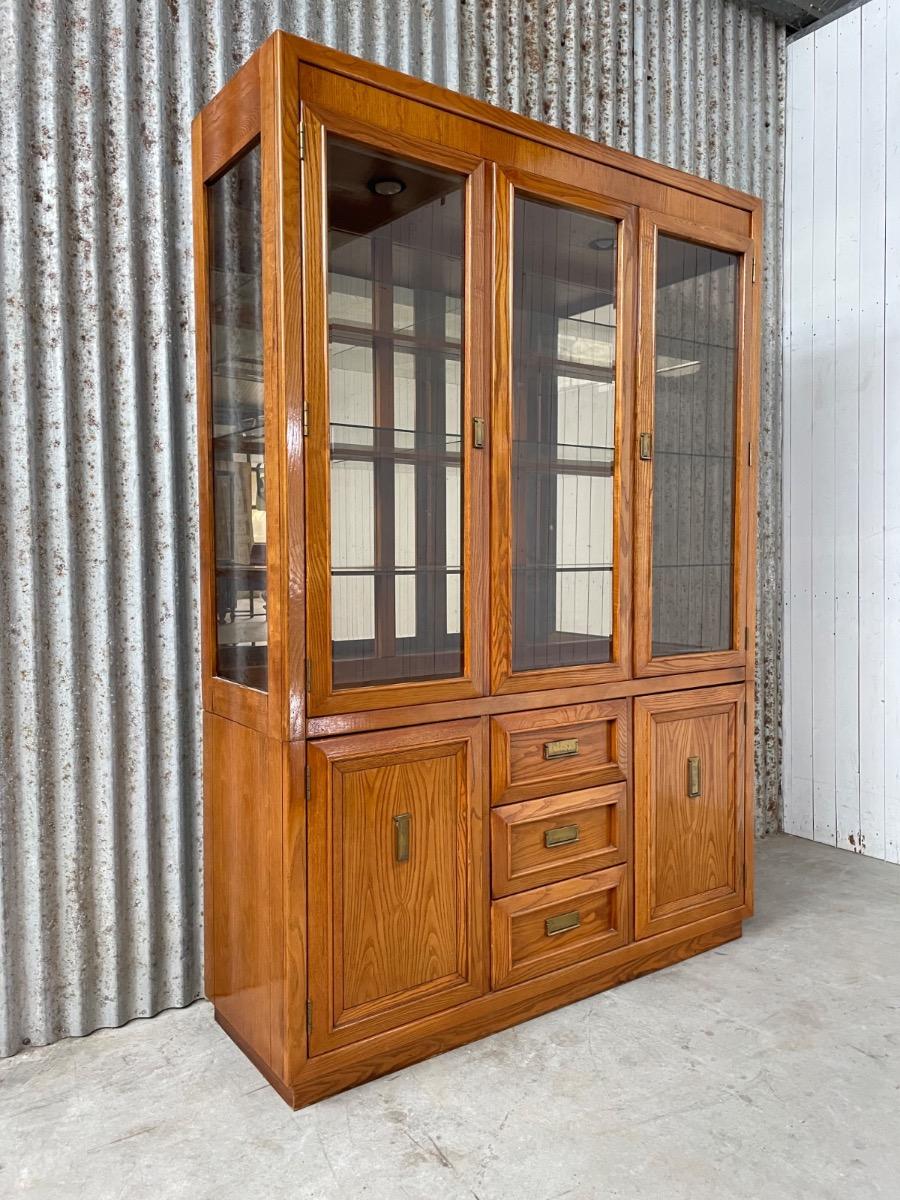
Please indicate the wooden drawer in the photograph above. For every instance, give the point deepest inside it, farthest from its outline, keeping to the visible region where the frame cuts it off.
(554, 926)
(558, 750)
(542, 841)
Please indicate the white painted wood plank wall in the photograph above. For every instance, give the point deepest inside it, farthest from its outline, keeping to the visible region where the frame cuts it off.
(842, 433)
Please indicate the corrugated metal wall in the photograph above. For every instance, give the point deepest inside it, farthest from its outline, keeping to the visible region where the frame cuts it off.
(99, 714)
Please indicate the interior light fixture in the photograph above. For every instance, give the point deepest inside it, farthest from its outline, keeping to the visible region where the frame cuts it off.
(387, 187)
(602, 243)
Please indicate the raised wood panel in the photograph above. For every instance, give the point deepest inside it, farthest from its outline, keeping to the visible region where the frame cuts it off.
(523, 944)
(689, 849)
(521, 742)
(244, 918)
(394, 937)
(543, 841)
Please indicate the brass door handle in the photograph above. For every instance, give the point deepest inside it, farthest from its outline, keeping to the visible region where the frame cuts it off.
(478, 433)
(563, 748)
(563, 835)
(645, 446)
(562, 923)
(694, 786)
(401, 837)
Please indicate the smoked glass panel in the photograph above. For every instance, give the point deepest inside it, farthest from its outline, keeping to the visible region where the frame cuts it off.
(693, 447)
(395, 313)
(238, 435)
(563, 428)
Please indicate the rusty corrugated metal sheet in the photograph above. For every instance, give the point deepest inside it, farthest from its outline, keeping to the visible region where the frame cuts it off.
(99, 712)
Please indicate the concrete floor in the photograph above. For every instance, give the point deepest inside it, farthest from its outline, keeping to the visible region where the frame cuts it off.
(769, 1068)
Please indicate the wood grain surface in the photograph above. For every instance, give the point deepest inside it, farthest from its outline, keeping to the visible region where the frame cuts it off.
(521, 946)
(689, 851)
(520, 769)
(520, 855)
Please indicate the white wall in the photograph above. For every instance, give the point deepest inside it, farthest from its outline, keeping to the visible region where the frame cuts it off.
(842, 434)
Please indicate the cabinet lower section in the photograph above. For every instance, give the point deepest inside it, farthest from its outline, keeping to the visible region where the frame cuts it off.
(375, 898)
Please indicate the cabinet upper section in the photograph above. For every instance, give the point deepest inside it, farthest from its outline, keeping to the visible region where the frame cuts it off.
(476, 400)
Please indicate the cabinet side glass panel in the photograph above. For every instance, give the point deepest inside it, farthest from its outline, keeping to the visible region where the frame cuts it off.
(563, 435)
(238, 434)
(395, 342)
(693, 447)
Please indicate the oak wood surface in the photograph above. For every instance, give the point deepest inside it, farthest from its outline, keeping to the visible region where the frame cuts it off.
(231, 120)
(520, 769)
(518, 141)
(396, 974)
(522, 946)
(521, 857)
(242, 862)
(392, 940)
(392, 718)
(689, 850)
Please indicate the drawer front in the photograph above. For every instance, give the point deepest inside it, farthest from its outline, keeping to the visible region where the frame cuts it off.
(558, 750)
(554, 926)
(542, 841)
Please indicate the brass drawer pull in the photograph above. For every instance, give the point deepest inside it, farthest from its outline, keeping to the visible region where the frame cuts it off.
(562, 923)
(401, 837)
(694, 787)
(561, 836)
(564, 748)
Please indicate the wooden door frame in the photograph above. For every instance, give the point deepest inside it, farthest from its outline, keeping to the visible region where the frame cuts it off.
(323, 700)
(504, 679)
(323, 854)
(651, 224)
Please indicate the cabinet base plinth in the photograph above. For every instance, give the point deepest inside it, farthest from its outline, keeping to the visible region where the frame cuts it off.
(328, 1074)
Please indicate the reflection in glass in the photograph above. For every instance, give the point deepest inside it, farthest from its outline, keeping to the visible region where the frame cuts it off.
(564, 393)
(693, 447)
(395, 310)
(238, 440)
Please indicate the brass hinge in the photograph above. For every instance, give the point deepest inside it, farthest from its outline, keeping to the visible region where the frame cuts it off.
(746, 638)
(308, 675)
(309, 1016)
(301, 138)
(749, 454)
(305, 418)
(308, 782)
(752, 269)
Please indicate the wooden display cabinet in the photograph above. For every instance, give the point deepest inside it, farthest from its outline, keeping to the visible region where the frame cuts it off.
(477, 410)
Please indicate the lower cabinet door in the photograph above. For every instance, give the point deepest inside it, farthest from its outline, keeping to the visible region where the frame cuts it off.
(398, 896)
(688, 806)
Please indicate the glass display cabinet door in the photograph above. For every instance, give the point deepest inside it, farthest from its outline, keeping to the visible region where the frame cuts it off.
(394, 243)
(559, 600)
(237, 426)
(692, 448)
